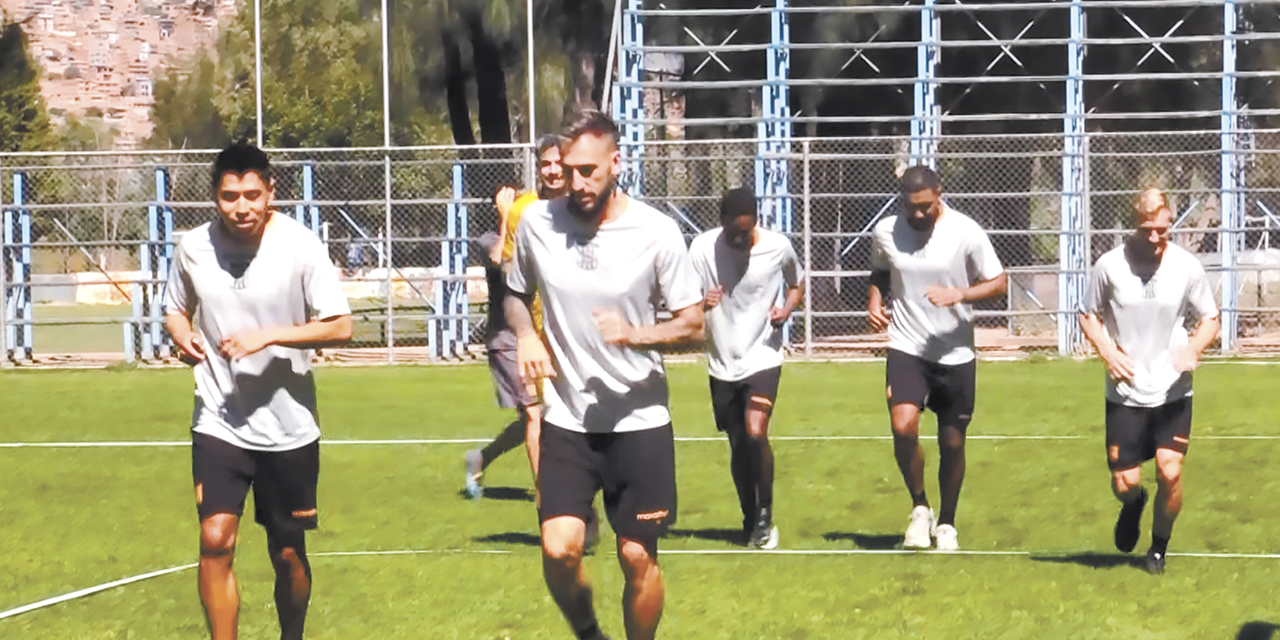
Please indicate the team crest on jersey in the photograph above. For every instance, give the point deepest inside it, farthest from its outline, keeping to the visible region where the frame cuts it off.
(587, 260)
(238, 270)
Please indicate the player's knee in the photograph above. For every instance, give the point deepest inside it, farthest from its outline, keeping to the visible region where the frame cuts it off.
(217, 538)
(1169, 472)
(1123, 482)
(951, 438)
(905, 421)
(561, 548)
(639, 558)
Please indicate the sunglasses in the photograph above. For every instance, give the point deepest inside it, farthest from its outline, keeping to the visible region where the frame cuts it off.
(584, 170)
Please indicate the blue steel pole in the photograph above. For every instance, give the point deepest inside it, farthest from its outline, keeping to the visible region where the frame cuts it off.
(460, 245)
(925, 124)
(1072, 254)
(8, 295)
(309, 195)
(628, 107)
(1232, 214)
(28, 341)
(159, 267)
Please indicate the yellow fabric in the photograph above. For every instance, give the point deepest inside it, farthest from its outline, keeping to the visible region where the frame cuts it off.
(509, 247)
(513, 223)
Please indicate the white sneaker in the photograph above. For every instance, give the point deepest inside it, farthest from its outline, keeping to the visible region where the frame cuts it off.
(918, 530)
(767, 542)
(948, 539)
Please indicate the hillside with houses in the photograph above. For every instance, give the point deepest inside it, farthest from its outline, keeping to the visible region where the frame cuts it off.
(101, 58)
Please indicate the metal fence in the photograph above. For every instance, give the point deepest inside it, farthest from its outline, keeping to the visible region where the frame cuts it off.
(88, 238)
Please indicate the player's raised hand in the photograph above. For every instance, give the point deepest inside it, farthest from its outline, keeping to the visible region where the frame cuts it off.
(190, 348)
(878, 315)
(1186, 359)
(505, 199)
(778, 316)
(713, 298)
(945, 296)
(246, 343)
(533, 360)
(615, 329)
(1119, 364)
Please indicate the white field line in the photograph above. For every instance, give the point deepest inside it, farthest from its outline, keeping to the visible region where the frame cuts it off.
(444, 441)
(92, 590)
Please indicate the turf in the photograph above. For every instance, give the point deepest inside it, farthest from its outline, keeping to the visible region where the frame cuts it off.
(74, 518)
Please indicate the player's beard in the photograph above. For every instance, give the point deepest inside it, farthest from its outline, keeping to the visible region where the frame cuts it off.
(601, 202)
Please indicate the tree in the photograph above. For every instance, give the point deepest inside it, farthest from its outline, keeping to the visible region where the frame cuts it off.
(185, 112)
(24, 122)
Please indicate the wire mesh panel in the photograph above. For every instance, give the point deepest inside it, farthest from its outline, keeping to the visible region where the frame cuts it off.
(88, 238)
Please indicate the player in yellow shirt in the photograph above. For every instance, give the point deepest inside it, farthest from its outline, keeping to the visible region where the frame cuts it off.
(500, 341)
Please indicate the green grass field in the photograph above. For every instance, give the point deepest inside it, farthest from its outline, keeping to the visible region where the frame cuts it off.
(77, 517)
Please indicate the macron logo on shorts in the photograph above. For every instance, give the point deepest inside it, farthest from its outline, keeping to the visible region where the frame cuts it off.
(653, 516)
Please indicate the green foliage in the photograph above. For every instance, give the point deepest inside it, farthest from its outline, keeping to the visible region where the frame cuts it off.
(24, 123)
(185, 112)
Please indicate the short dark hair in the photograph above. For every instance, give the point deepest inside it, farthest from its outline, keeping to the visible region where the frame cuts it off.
(920, 178)
(591, 122)
(738, 202)
(547, 141)
(240, 158)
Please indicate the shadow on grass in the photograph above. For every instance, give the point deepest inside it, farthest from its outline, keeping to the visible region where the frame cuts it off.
(1095, 560)
(513, 537)
(869, 541)
(1257, 631)
(732, 536)
(518, 494)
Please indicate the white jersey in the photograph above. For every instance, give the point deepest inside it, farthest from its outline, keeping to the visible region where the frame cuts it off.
(266, 401)
(1147, 319)
(631, 264)
(957, 253)
(740, 339)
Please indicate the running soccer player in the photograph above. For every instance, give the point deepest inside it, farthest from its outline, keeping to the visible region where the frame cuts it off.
(249, 297)
(500, 340)
(1141, 296)
(751, 277)
(933, 261)
(603, 262)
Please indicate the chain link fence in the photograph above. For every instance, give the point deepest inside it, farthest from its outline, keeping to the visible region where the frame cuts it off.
(88, 238)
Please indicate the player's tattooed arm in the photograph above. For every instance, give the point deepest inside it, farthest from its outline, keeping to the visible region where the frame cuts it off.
(877, 313)
(684, 329)
(532, 357)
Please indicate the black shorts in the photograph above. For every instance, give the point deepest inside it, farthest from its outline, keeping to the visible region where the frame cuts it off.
(947, 390)
(635, 469)
(284, 482)
(1134, 433)
(510, 389)
(729, 400)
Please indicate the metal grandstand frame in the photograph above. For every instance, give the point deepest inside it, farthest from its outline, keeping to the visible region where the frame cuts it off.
(930, 119)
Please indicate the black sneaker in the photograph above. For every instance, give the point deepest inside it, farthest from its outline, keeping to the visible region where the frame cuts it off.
(1127, 525)
(1155, 562)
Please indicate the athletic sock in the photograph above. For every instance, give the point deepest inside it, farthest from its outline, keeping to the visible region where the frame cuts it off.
(1159, 544)
(921, 500)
